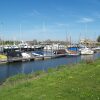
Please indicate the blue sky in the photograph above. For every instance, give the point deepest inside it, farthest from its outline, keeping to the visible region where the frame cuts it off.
(49, 19)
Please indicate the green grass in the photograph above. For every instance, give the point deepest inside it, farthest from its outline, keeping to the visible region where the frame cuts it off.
(68, 82)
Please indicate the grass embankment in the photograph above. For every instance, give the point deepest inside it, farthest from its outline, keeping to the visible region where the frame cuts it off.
(3, 56)
(76, 82)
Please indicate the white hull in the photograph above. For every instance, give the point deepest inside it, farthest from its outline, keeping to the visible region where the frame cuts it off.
(36, 54)
(25, 55)
(73, 54)
(86, 51)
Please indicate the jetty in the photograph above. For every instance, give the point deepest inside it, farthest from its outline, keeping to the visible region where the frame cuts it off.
(32, 58)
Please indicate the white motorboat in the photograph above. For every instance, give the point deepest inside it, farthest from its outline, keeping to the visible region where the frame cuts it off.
(86, 51)
(23, 45)
(25, 55)
(36, 54)
(96, 49)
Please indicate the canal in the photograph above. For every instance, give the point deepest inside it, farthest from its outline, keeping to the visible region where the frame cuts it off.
(11, 69)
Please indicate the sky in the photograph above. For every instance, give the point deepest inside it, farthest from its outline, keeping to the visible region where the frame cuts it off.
(49, 19)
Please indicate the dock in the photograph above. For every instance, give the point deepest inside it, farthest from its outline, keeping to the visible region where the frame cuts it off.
(32, 58)
(19, 59)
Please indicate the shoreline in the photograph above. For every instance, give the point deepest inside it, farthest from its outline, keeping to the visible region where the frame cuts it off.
(40, 72)
(64, 82)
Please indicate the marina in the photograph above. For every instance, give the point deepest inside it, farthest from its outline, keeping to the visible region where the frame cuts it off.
(50, 49)
(25, 52)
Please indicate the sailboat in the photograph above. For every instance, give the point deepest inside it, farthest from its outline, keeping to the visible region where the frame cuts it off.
(85, 50)
(72, 50)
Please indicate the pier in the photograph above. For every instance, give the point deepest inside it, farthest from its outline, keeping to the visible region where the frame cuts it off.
(32, 58)
(18, 59)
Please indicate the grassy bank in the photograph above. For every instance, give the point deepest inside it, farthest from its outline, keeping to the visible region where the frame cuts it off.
(69, 82)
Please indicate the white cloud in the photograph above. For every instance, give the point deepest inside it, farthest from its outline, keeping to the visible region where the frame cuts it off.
(86, 20)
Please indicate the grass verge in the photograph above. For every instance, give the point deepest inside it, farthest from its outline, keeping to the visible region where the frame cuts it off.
(68, 82)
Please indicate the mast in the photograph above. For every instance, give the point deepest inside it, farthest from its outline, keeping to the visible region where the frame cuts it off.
(20, 36)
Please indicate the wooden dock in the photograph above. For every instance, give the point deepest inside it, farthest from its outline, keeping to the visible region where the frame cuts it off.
(19, 59)
(58, 55)
(34, 58)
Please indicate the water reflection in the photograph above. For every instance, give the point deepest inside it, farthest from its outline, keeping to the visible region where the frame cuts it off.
(87, 57)
(90, 57)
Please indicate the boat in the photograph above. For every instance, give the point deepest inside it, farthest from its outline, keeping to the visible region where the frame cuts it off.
(37, 53)
(12, 54)
(42, 53)
(60, 51)
(50, 47)
(73, 47)
(96, 49)
(72, 53)
(23, 45)
(86, 51)
(25, 55)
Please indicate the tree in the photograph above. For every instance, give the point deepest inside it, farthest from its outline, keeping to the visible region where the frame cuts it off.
(98, 39)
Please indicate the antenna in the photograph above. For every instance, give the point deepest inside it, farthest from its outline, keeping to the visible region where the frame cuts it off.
(20, 35)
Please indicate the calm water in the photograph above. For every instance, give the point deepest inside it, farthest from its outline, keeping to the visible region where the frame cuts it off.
(11, 69)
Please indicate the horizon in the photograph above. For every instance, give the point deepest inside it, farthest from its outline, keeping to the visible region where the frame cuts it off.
(49, 19)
